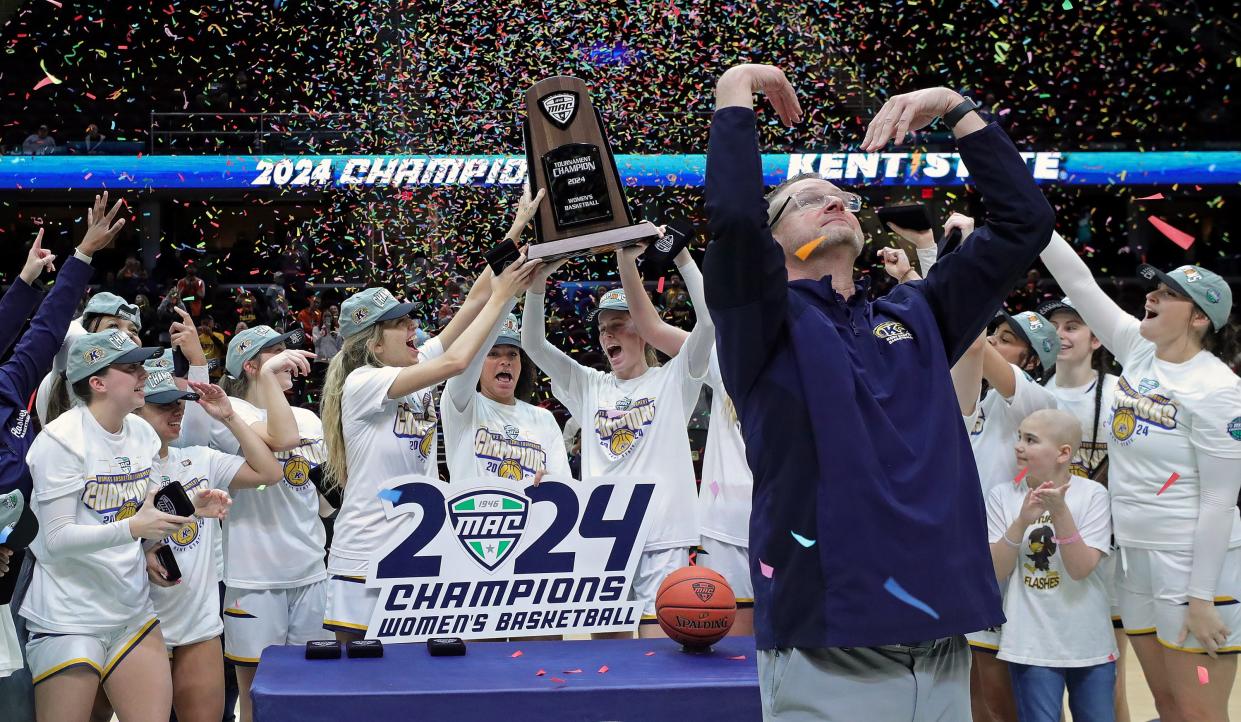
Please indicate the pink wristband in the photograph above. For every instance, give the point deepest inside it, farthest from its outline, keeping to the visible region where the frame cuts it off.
(1077, 536)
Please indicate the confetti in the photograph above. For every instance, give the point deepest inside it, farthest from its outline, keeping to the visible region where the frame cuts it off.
(1154, 197)
(739, 657)
(573, 671)
(896, 590)
(804, 252)
(391, 495)
(714, 486)
(802, 540)
(516, 654)
(1020, 475)
(649, 654)
(558, 680)
(766, 568)
(1171, 480)
(603, 669)
(1177, 236)
(540, 673)
(1204, 677)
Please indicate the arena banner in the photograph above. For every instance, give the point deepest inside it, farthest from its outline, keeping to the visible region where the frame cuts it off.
(318, 172)
(494, 557)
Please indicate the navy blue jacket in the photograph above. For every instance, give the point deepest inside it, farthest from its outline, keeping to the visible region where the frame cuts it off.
(31, 361)
(851, 424)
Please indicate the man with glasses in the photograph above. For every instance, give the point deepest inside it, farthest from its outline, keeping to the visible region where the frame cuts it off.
(868, 542)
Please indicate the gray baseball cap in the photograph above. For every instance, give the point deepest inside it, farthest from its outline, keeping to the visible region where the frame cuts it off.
(95, 352)
(613, 300)
(1037, 331)
(1206, 289)
(110, 304)
(161, 385)
(247, 344)
(510, 333)
(367, 308)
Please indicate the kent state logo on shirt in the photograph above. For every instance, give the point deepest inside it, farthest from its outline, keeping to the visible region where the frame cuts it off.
(115, 497)
(507, 455)
(418, 426)
(1135, 410)
(1041, 547)
(619, 430)
(187, 537)
(299, 461)
(893, 331)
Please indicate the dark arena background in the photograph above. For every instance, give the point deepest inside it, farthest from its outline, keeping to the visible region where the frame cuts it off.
(1142, 92)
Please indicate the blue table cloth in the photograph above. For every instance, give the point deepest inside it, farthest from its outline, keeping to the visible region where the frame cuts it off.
(645, 679)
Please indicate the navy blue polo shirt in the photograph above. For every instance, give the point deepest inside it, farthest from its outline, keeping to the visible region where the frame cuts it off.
(850, 420)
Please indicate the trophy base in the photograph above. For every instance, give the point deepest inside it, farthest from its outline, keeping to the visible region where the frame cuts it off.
(591, 243)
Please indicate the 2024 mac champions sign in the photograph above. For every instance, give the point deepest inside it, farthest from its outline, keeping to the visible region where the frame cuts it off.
(492, 557)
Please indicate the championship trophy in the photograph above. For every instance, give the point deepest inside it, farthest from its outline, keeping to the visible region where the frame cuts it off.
(567, 153)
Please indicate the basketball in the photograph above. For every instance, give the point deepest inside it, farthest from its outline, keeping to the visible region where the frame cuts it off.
(695, 606)
(621, 440)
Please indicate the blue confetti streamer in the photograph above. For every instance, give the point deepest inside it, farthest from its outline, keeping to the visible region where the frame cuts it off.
(803, 540)
(899, 592)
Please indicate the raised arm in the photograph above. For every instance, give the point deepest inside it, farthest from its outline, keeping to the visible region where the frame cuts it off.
(967, 375)
(746, 281)
(971, 283)
(476, 299)
(515, 278)
(665, 337)
(20, 299)
(1114, 328)
(460, 389)
(261, 465)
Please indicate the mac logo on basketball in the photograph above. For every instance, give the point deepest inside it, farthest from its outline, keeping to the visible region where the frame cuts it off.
(560, 107)
(704, 590)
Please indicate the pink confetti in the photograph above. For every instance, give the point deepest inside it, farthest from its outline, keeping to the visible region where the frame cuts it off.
(1176, 235)
(57, 4)
(516, 654)
(650, 654)
(1168, 483)
(41, 83)
(660, 288)
(714, 487)
(1203, 676)
(573, 671)
(603, 669)
(739, 657)
(558, 680)
(766, 568)
(1155, 197)
(1020, 475)
(540, 673)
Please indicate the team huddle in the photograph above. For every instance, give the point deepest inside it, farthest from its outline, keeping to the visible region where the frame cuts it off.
(1109, 499)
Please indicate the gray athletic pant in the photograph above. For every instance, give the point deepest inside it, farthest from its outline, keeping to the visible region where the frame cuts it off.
(924, 682)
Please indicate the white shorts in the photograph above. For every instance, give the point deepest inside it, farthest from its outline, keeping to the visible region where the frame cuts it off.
(186, 624)
(349, 604)
(653, 566)
(986, 640)
(733, 563)
(1153, 597)
(51, 653)
(255, 619)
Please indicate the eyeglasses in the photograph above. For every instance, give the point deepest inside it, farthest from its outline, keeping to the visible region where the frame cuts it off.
(815, 199)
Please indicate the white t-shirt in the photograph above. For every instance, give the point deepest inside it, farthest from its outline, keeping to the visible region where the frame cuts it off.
(993, 428)
(638, 428)
(273, 537)
(193, 546)
(1162, 415)
(493, 439)
(726, 493)
(106, 589)
(1080, 401)
(384, 438)
(1053, 619)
